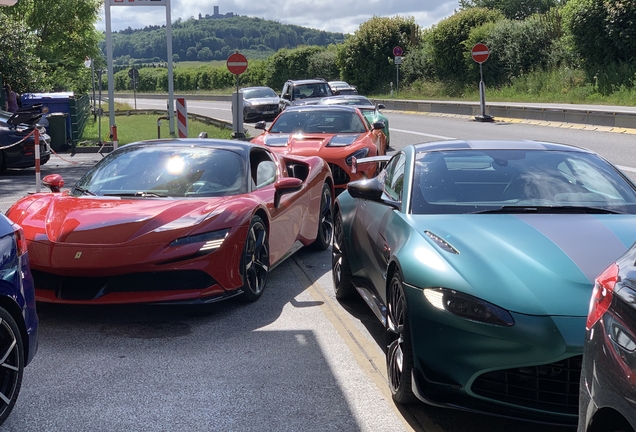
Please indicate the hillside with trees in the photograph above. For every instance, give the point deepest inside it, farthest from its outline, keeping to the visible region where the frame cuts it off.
(214, 39)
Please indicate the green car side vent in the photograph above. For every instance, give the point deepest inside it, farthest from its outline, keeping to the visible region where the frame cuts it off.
(441, 243)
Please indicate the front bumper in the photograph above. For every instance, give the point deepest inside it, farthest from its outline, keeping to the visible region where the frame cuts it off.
(530, 370)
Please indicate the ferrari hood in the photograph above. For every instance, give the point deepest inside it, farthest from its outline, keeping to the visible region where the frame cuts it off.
(539, 264)
(309, 144)
(108, 221)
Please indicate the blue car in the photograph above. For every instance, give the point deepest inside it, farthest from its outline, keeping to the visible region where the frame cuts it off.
(18, 317)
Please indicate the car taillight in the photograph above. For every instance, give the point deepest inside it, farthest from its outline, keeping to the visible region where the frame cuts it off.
(602, 294)
(20, 240)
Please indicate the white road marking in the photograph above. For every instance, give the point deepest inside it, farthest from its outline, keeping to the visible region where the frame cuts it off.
(423, 134)
(624, 168)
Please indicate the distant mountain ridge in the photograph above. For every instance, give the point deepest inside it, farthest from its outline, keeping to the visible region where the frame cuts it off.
(207, 39)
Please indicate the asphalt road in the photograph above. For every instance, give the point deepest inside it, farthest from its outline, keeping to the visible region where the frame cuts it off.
(296, 360)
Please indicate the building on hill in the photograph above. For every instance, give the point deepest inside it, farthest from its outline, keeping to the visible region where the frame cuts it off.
(216, 14)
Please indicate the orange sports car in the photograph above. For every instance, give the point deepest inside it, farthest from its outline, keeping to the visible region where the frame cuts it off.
(336, 133)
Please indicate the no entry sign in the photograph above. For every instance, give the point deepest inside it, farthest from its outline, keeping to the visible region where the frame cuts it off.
(237, 63)
(480, 53)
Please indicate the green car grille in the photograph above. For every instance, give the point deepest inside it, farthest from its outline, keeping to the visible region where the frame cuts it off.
(552, 387)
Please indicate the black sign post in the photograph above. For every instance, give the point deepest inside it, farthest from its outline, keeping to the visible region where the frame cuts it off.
(134, 76)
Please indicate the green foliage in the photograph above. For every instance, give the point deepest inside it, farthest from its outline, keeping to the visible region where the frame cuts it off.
(290, 64)
(366, 60)
(66, 34)
(324, 64)
(217, 38)
(602, 32)
(448, 43)
(19, 65)
(513, 9)
(516, 47)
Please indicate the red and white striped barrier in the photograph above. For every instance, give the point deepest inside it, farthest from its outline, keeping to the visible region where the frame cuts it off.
(36, 139)
(182, 117)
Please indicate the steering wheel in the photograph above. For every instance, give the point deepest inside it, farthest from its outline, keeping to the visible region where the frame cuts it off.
(202, 186)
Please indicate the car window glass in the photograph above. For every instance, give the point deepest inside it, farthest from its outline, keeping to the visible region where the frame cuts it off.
(263, 169)
(167, 172)
(394, 178)
(469, 181)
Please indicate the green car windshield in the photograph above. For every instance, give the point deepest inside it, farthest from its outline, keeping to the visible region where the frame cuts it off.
(165, 171)
(476, 181)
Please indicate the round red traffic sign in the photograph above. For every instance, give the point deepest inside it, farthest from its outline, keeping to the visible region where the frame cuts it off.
(397, 51)
(237, 63)
(480, 53)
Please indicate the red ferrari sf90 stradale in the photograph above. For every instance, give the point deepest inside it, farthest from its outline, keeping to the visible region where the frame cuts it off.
(191, 220)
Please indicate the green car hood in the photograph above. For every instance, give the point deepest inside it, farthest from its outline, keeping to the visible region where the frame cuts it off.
(536, 264)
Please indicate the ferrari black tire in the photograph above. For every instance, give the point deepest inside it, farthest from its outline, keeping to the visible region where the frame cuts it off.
(399, 353)
(255, 261)
(12, 366)
(325, 224)
(340, 270)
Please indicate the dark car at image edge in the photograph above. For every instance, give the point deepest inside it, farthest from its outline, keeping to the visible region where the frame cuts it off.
(17, 139)
(608, 379)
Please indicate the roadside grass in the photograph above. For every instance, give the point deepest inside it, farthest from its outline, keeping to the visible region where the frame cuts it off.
(132, 128)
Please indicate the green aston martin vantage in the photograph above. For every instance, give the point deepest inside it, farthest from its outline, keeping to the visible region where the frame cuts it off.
(370, 110)
(480, 257)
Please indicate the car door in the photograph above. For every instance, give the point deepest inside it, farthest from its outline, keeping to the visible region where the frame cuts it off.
(286, 213)
(372, 222)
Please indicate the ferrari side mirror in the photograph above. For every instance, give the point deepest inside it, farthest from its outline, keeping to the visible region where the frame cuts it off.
(53, 182)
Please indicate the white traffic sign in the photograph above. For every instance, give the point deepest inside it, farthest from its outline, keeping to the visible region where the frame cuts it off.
(397, 60)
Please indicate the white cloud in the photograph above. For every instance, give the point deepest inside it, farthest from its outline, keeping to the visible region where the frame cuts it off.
(328, 15)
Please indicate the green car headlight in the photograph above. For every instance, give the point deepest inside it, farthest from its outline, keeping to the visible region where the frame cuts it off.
(468, 307)
(211, 240)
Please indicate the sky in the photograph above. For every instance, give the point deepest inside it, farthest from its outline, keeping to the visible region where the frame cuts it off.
(343, 16)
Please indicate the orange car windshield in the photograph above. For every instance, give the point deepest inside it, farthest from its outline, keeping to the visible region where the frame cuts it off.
(323, 121)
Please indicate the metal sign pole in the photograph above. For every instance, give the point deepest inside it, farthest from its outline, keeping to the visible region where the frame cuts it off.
(111, 80)
(170, 74)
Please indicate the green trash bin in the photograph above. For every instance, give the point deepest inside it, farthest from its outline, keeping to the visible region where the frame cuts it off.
(57, 131)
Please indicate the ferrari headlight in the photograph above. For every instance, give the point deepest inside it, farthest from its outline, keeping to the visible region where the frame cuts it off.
(468, 307)
(211, 240)
(359, 154)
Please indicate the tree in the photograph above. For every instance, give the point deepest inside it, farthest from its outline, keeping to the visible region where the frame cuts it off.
(66, 35)
(513, 9)
(19, 65)
(447, 40)
(366, 58)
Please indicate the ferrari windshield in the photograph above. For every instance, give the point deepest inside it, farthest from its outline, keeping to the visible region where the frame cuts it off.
(476, 181)
(162, 171)
(318, 121)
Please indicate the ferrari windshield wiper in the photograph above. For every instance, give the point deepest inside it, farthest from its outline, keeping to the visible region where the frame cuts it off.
(84, 191)
(142, 194)
(549, 209)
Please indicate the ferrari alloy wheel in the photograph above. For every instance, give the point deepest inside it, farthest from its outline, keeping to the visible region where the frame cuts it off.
(325, 225)
(340, 270)
(11, 363)
(255, 260)
(399, 353)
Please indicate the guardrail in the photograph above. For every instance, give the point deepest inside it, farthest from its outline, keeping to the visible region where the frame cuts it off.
(610, 117)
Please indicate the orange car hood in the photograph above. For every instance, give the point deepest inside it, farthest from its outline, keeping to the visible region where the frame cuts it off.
(308, 144)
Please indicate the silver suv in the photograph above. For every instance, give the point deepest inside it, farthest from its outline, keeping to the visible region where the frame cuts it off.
(304, 92)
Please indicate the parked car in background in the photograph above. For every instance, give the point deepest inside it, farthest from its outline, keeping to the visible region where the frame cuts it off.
(17, 149)
(304, 92)
(260, 103)
(342, 88)
(338, 134)
(479, 257)
(181, 221)
(18, 316)
(370, 110)
(608, 377)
